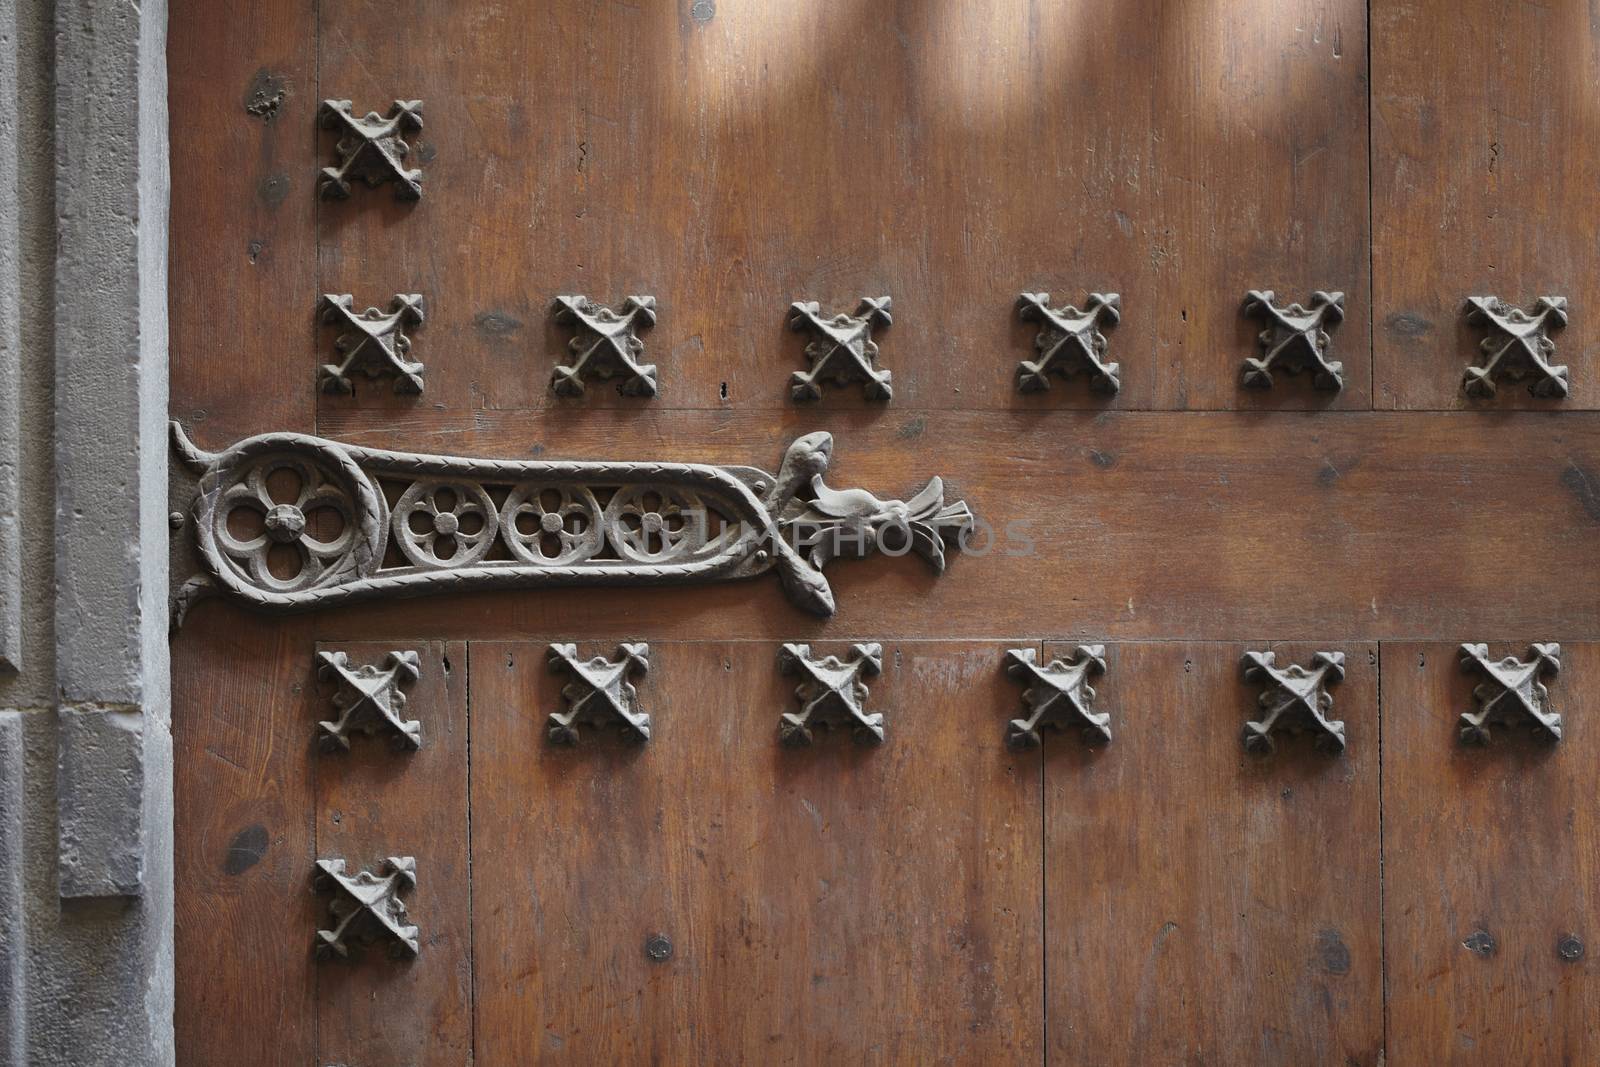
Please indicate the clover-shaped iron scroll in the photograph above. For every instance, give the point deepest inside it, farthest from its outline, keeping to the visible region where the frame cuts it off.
(607, 345)
(1512, 692)
(1058, 696)
(1518, 346)
(552, 525)
(1294, 700)
(600, 693)
(1069, 342)
(841, 350)
(370, 699)
(366, 907)
(371, 342)
(1295, 339)
(371, 148)
(445, 522)
(459, 524)
(832, 693)
(290, 522)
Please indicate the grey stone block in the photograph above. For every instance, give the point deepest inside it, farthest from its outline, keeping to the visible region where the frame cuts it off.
(10, 348)
(13, 903)
(86, 919)
(110, 345)
(100, 800)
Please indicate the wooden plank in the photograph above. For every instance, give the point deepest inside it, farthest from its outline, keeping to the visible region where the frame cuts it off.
(242, 94)
(374, 802)
(1373, 524)
(1476, 188)
(1490, 867)
(1204, 904)
(1258, 173)
(454, 247)
(242, 845)
(732, 159)
(824, 904)
(243, 97)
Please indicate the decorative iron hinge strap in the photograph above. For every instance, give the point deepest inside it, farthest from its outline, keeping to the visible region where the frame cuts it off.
(323, 533)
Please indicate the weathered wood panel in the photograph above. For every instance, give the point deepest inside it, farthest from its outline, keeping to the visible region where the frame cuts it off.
(899, 904)
(1481, 185)
(242, 274)
(731, 159)
(373, 802)
(243, 98)
(1490, 868)
(1206, 905)
(825, 904)
(242, 716)
(459, 246)
(1142, 525)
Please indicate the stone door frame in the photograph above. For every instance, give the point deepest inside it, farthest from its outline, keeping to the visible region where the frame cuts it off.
(86, 919)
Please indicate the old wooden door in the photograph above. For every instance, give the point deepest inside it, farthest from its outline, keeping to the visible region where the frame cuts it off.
(1153, 530)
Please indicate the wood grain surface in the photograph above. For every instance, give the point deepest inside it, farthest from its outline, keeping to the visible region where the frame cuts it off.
(1203, 904)
(1481, 186)
(374, 802)
(243, 712)
(1490, 886)
(942, 899)
(242, 274)
(1135, 525)
(950, 156)
(839, 903)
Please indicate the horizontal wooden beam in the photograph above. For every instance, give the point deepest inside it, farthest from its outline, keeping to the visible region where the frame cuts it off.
(1132, 526)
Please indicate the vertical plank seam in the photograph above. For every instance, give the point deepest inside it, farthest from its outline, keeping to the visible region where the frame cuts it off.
(472, 926)
(316, 621)
(316, 210)
(1044, 901)
(1383, 915)
(315, 820)
(1372, 266)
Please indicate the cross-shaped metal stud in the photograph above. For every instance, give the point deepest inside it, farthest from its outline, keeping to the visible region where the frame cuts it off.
(1295, 339)
(369, 699)
(1069, 342)
(372, 342)
(1518, 347)
(1058, 696)
(367, 908)
(371, 149)
(1294, 700)
(1511, 692)
(600, 693)
(841, 350)
(831, 693)
(607, 345)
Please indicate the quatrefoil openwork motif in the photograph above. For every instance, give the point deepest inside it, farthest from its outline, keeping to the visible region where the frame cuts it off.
(1069, 342)
(371, 342)
(1295, 339)
(445, 522)
(370, 699)
(1294, 700)
(1518, 347)
(288, 522)
(1512, 692)
(607, 345)
(600, 694)
(366, 908)
(832, 693)
(1058, 696)
(371, 149)
(842, 350)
